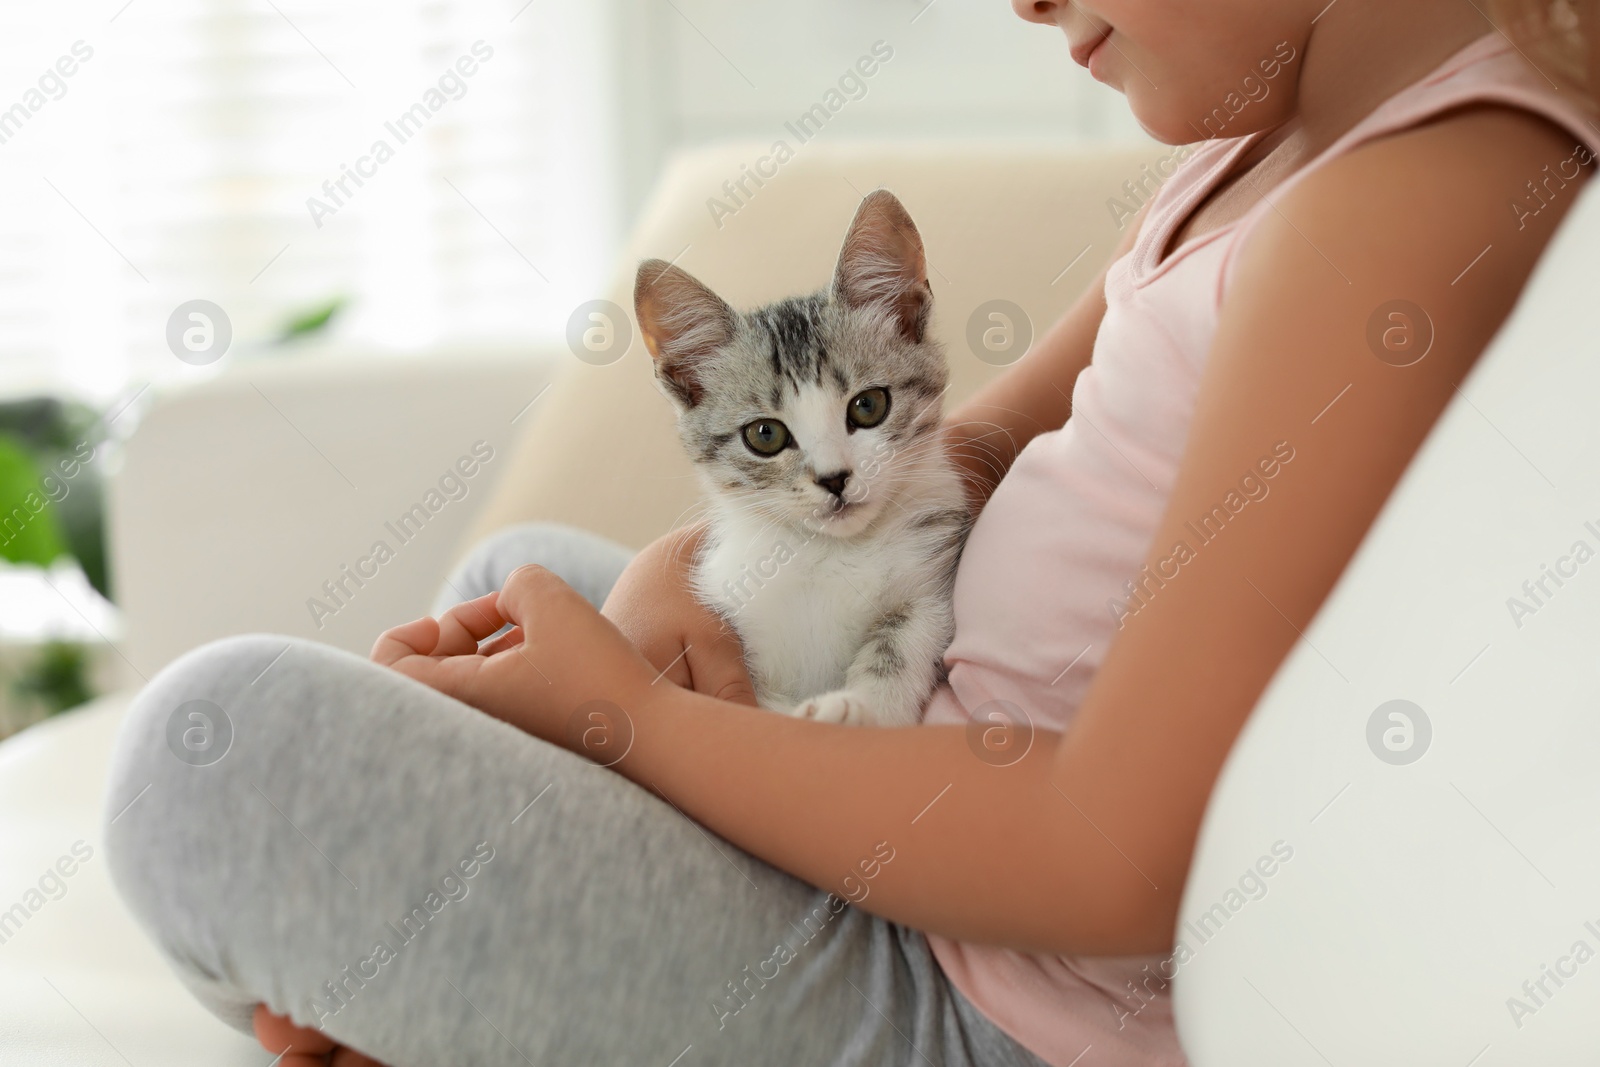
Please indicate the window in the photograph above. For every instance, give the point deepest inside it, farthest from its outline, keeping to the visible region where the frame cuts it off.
(443, 167)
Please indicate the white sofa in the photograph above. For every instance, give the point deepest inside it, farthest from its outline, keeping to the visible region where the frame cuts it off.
(224, 519)
(1418, 897)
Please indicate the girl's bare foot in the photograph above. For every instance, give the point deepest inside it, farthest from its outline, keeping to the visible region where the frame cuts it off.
(302, 1046)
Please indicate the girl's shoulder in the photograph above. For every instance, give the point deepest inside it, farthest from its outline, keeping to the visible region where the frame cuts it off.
(1497, 147)
(1479, 189)
(1485, 130)
(1362, 299)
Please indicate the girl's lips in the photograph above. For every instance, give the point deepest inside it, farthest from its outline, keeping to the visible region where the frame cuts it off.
(1081, 54)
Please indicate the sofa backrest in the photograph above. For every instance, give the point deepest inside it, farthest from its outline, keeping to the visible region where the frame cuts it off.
(255, 500)
(241, 498)
(1029, 225)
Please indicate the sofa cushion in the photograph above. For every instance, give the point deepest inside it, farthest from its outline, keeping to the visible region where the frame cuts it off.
(79, 982)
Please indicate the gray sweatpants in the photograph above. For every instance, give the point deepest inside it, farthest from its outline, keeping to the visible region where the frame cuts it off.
(301, 828)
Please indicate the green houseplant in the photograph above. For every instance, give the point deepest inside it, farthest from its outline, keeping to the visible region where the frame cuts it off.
(52, 508)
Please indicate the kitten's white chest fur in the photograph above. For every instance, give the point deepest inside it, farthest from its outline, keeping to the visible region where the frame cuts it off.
(811, 609)
(800, 602)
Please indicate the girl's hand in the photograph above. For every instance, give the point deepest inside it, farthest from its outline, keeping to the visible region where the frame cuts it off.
(301, 1046)
(655, 607)
(559, 657)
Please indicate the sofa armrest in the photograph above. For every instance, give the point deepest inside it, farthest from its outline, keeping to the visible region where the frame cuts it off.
(239, 498)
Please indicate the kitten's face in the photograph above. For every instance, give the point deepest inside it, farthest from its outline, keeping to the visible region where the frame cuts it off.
(815, 414)
(815, 411)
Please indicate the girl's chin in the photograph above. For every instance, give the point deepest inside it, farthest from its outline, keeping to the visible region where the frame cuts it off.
(1167, 129)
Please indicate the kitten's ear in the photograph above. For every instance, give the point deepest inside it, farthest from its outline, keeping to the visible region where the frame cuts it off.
(882, 263)
(683, 323)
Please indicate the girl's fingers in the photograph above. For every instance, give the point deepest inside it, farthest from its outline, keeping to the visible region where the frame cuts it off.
(530, 589)
(716, 663)
(417, 638)
(510, 639)
(463, 626)
(349, 1057)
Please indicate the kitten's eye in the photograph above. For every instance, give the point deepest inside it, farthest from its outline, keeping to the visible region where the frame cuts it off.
(868, 408)
(766, 437)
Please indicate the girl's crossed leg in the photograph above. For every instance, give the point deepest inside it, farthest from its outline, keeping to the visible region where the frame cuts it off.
(298, 827)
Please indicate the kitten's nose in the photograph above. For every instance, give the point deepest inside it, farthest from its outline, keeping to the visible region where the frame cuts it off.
(834, 483)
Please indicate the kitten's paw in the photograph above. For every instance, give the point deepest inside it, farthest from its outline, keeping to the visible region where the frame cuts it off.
(840, 706)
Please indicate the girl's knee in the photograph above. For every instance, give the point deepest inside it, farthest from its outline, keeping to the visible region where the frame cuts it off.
(586, 561)
(174, 768)
(181, 718)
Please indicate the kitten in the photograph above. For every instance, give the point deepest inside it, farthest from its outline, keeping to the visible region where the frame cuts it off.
(836, 516)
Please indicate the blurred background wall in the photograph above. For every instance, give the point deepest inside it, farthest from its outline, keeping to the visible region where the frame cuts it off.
(180, 158)
(717, 68)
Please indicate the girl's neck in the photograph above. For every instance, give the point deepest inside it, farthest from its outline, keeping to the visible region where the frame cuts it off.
(1359, 54)
(1362, 52)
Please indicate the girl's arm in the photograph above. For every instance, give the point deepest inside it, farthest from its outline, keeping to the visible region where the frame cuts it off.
(1083, 846)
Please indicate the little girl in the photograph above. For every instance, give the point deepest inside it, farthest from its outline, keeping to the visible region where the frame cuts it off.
(421, 859)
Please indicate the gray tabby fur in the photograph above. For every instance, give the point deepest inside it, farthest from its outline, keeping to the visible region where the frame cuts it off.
(841, 599)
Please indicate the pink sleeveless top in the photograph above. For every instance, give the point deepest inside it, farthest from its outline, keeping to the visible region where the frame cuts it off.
(1074, 518)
